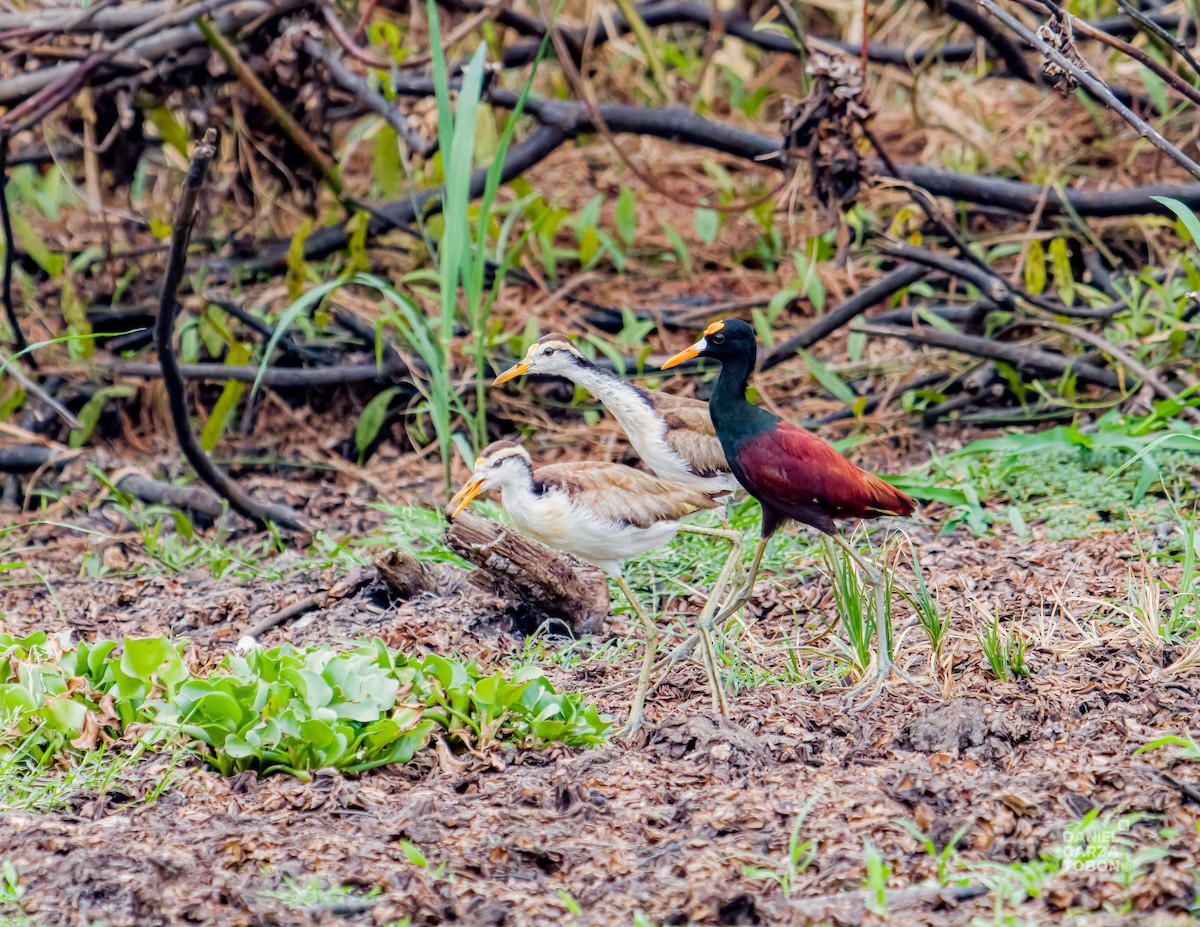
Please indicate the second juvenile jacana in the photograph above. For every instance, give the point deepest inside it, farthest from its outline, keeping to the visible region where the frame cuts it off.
(792, 473)
(603, 513)
(673, 434)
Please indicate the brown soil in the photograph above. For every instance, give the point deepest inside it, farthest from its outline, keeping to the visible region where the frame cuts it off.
(666, 824)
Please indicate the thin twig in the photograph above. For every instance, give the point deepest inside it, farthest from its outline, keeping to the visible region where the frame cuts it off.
(1140, 370)
(10, 253)
(1154, 28)
(360, 90)
(1084, 28)
(164, 331)
(1022, 356)
(1094, 86)
(31, 387)
(291, 128)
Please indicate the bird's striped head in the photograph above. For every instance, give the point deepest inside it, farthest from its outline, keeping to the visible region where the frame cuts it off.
(501, 462)
(551, 354)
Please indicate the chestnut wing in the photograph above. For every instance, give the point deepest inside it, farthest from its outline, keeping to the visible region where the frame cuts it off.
(789, 468)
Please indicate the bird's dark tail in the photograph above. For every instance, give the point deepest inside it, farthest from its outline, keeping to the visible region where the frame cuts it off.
(886, 499)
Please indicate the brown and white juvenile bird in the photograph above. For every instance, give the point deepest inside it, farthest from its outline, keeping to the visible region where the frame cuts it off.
(674, 435)
(603, 513)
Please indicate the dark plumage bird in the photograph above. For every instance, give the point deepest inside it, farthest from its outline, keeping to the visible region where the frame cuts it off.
(792, 473)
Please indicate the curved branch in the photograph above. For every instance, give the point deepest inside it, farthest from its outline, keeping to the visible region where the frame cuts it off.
(164, 331)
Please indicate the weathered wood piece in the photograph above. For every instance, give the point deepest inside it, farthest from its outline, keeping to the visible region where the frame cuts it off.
(550, 585)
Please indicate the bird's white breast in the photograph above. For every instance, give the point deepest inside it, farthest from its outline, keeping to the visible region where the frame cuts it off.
(551, 518)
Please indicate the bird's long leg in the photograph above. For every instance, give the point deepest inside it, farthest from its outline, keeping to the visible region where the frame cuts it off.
(651, 631)
(883, 659)
(739, 598)
(705, 622)
(735, 601)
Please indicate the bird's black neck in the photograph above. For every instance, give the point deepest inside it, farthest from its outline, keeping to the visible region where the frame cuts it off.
(734, 416)
(729, 393)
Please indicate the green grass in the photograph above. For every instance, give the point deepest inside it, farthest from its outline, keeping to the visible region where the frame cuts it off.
(298, 895)
(43, 788)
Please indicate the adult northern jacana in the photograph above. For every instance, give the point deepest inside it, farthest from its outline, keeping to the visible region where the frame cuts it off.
(674, 435)
(603, 513)
(793, 474)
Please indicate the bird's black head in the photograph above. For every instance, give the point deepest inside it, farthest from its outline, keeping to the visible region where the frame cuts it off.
(731, 339)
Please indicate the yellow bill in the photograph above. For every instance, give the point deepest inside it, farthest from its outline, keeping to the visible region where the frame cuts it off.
(687, 354)
(516, 370)
(463, 497)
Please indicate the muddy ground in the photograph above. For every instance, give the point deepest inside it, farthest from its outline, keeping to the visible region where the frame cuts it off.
(664, 827)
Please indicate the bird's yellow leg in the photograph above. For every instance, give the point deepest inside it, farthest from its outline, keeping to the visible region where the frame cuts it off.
(703, 633)
(651, 632)
(883, 659)
(704, 626)
(739, 598)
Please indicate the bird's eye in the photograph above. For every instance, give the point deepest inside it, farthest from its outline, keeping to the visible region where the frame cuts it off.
(717, 338)
(548, 351)
(496, 464)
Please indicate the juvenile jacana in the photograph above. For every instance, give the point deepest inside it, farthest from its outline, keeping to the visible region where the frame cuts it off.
(674, 435)
(793, 474)
(603, 513)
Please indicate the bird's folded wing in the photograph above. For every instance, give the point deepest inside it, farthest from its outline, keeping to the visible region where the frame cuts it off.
(796, 468)
(691, 435)
(623, 494)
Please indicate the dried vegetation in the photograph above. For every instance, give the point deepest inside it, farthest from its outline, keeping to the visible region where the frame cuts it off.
(1027, 366)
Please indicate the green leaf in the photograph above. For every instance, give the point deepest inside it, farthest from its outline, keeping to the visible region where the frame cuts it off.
(371, 419)
(33, 245)
(144, 655)
(708, 224)
(828, 379)
(1060, 265)
(1185, 214)
(1156, 90)
(80, 348)
(170, 129)
(226, 404)
(89, 414)
(1035, 268)
(297, 267)
(65, 715)
(626, 215)
(356, 245)
(387, 170)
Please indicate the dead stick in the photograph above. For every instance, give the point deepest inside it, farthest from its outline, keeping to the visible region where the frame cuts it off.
(10, 252)
(1094, 86)
(1021, 356)
(164, 331)
(1140, 370)
(290, 127)
(848, 311)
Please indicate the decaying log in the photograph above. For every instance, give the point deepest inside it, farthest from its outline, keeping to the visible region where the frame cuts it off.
(550, 585)
(405, 576)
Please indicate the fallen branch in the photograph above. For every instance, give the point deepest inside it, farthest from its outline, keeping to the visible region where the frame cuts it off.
(164, 331)
(549, 586)
(30, 458)
(1139, 370)
(1023, 357)
(1094, 86)
(286, 377)
(344, 588)
(10, 253)
(849, 310)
